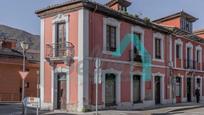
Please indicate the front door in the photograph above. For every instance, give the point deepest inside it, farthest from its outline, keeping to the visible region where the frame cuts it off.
(136, 89)
(178, 90)
(189, 89)
(110, 89)
(157, 90)
(61, 91)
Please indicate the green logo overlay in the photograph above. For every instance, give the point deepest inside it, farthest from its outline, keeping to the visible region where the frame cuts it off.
(146, 57)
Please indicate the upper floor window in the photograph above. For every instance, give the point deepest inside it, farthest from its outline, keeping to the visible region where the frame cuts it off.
(189, 60)
(186, 25)
(198, 56)
(111, 38)
(138, 42)
(178, 51)
(60, 33)
(158, 47)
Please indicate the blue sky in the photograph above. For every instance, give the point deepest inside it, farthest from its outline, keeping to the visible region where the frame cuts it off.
(20, 13)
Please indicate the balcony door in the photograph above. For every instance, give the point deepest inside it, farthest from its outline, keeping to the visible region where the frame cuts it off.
(60, 41)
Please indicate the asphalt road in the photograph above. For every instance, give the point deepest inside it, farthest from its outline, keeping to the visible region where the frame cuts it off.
(16, 109)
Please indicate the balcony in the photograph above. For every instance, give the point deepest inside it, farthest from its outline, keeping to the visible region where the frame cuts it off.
(60, 53)
(136, 57)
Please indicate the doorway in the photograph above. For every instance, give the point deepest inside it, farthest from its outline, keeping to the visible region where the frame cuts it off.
(110, 89)
(137, 89)
(189, 89)
(157, 82)
(178, 90)
(61, 91)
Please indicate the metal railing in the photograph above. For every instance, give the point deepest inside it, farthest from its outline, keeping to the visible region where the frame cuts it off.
(59, 50)
(136, 57)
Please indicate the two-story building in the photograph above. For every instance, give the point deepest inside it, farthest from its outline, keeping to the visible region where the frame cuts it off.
(143, 63)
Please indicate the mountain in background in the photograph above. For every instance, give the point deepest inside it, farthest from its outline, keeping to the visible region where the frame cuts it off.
(20, 35)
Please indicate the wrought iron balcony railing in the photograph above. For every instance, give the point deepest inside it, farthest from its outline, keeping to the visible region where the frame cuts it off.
(136, 57)
(59, 51)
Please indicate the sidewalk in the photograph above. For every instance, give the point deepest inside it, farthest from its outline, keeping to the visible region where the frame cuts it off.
(169, 108)
(155, 110)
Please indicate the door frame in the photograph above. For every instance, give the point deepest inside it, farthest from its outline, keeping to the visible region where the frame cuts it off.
(161, 86)
(182, 87)
(54, 81)
(142, 86)
(201, 84)
(118, 85)
(191, 88)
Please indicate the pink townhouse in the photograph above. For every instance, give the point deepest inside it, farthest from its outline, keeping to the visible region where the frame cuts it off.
(186, 57)
(143, 63)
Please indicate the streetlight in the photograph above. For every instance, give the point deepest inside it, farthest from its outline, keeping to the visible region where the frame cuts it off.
(25, 47)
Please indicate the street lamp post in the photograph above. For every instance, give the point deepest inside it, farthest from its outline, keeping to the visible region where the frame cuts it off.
(25, 47)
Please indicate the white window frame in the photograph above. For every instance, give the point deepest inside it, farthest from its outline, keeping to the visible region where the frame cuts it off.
(178, 42)
(58, 19)
(118, 85)
(198, 48)
(161, 37)
(115, 23)
(189, 45)
(162, 87)
(201, 84)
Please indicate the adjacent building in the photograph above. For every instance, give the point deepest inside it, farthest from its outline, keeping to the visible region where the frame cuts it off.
(11, 60)
(143, 63)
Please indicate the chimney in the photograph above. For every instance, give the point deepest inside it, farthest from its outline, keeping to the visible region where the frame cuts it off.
(119, 5)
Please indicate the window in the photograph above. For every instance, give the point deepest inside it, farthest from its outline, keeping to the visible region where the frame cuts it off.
(178, 51)
(137, 36)
(188, 57)
(60, 39)
(111, 38)
(198, 56)
(158, 48)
